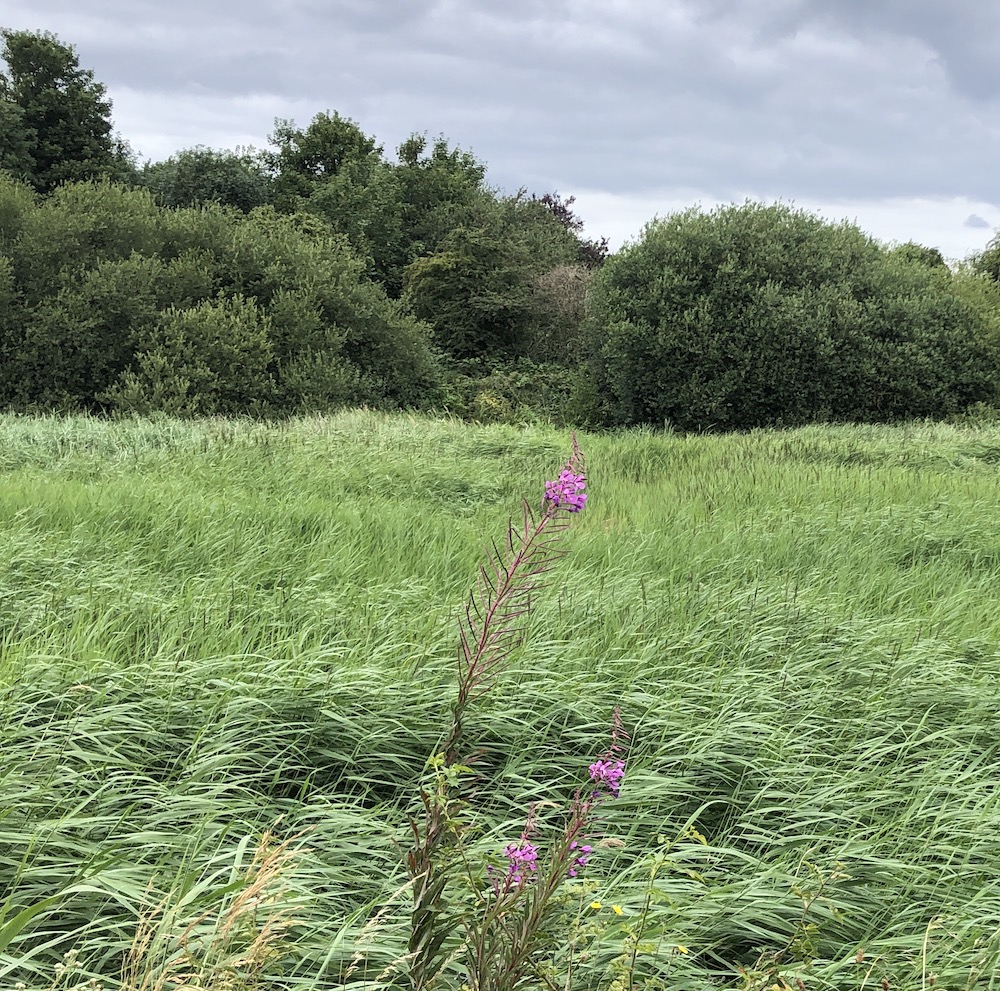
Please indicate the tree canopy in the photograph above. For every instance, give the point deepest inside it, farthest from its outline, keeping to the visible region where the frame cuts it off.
(59, 116)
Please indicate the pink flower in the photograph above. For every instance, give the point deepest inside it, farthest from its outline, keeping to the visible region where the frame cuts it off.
(521, 856)
(567, 491)
(580, 860)
(608, 773)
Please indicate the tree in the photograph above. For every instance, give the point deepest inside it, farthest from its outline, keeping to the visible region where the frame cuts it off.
(987, 262)
(15, 145)
(478, 288)
(931, 257)
(363, 201)
(200, 175)
(441, 188)
(591, 253)
(65, 119)
(306, 159)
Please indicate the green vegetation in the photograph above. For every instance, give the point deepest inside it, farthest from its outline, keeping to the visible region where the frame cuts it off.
(214, 630)
(321, 274)
(56, 120)
(115, 304)
(755, 315)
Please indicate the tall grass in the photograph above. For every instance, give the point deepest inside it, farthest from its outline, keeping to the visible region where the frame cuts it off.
(212, 632)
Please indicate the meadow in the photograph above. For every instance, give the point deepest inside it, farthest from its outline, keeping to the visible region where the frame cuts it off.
(227, 650)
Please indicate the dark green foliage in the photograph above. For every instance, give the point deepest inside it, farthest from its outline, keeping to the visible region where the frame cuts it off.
(306, 159)
(63, 130)
(17, 201)
(987, 262)
(85, 265)
(395, 213)
(467, 261)
(213, 358)
(110, 301)
(364, 202)
(478, 289)
(201, 175)
(336, 337)
(519, 392)
(763, 315)
(442, 188)
(80, 340)
(16, 141)
(80, 225)
(912, 251)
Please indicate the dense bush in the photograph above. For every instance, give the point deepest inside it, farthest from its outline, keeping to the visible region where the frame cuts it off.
(756, 315)
(211, 358)
(202, 175)
(478, 289)
(109, 301)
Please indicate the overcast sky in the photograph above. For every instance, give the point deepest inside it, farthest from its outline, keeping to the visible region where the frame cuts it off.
(886, 112)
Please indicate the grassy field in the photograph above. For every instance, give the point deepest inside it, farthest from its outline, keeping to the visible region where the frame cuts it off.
(227, 649)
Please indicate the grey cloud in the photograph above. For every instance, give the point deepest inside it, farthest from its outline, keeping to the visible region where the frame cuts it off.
(973, 220)
(792, 98)
(963, 34)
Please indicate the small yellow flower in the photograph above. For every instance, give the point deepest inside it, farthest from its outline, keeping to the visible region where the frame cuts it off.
(682, 949)
(617, 909)
(596, 905)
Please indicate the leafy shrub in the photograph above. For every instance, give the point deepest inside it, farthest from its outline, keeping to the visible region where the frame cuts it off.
(200, 175)
(754, 315)
(210, 359)
(336, 337)
(477, 289)
(98, 282)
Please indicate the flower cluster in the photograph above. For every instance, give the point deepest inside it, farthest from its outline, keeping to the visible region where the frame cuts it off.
(579, 859)
(522, 856)
(522, 860)
(608, 773)
(567, 491)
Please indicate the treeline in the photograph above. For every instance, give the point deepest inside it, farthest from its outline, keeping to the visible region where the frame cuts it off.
(323, 272)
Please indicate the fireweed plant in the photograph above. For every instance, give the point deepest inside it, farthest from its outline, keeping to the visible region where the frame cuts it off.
(504, 925)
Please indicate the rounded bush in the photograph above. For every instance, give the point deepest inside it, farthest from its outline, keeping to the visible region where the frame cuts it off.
(755, 315)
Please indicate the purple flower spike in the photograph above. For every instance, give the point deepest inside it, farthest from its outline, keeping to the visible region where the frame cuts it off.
(521, 857)
(580, 860)
(609, 773)
(567, 491)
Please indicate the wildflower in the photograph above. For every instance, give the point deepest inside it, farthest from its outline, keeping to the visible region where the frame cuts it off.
(617, 909)
(609, 773)
(596, 905)
(567, 491)
(579, 859)
(521, 856)
(682, 949)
